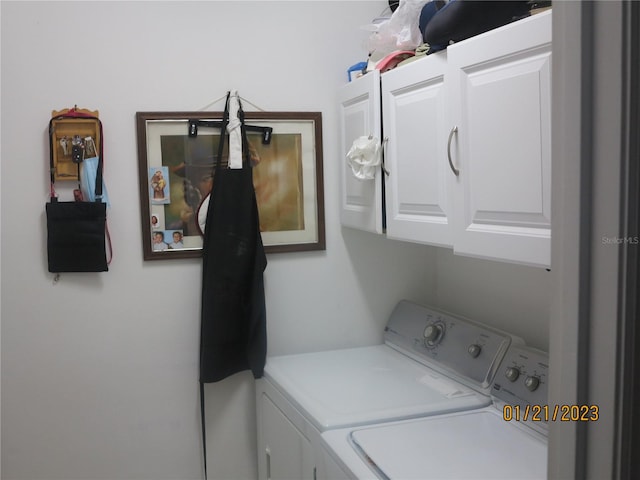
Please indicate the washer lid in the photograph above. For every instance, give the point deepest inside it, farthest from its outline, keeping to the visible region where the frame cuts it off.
(478, 444)
(364, 385)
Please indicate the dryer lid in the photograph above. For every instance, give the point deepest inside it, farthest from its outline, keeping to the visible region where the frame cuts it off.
(473, 444)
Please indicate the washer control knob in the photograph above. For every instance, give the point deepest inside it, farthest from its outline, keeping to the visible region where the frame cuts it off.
(474, 350)
(512, 373)
(531, 383)
(433, 334)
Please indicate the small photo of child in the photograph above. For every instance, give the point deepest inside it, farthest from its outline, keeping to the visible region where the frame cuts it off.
(176, 244)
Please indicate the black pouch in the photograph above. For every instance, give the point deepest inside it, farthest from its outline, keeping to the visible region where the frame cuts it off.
(76, 231)
(76, 236)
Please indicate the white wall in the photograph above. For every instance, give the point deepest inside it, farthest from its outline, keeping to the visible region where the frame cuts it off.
(512, 297)
(99, 371)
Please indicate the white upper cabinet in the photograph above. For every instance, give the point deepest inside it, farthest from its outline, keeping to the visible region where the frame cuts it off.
(502, 111)
(468, 154)
(361, 200)
(415, 110)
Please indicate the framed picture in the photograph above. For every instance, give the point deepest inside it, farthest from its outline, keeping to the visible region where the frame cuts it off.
(176, 172)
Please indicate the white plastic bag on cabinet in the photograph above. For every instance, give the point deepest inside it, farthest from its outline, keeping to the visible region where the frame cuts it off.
(364, 157)
(400, 31)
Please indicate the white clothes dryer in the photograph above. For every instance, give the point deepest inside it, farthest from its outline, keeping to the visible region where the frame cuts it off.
(431, 362)
(506, 440)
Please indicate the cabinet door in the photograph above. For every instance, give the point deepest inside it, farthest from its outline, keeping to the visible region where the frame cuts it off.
(415, 122)
(361, 200)
(284, 452)
(503, 146)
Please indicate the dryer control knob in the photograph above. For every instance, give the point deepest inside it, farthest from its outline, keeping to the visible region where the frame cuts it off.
(512, 373)
(531, 383)
(433, 334)
(474, 350)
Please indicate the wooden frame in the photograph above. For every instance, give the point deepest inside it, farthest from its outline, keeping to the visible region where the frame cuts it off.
(175, 173)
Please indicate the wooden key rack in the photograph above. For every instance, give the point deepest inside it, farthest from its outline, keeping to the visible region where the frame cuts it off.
(63, 132)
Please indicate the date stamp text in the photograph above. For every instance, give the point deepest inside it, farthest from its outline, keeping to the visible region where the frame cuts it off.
(551, 413)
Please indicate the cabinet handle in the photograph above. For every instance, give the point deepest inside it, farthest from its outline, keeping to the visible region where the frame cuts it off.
(267, 452)
(455, 171)
(383, 147)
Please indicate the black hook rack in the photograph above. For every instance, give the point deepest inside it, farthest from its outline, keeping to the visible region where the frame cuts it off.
(195, 123)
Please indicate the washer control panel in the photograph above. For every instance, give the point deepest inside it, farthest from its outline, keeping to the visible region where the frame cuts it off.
(469, 350)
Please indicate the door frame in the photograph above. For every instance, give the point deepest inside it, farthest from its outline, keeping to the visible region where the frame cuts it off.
(594, 260)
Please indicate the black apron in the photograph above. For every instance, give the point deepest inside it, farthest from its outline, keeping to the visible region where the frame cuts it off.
(233, 334)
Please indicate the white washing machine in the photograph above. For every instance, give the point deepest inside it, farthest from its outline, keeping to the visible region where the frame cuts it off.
(507, 440)
(431, 363)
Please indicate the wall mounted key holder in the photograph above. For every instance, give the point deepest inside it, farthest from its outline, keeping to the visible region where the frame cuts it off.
(73, 139)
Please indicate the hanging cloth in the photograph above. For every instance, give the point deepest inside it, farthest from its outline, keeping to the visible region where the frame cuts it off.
(233, 322)
(233, 333)
(234, 129)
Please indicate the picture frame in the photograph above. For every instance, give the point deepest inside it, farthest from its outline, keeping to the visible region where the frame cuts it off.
(175, 172)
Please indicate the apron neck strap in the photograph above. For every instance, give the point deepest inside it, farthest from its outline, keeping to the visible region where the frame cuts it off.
(223, 131)
(246, 157)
